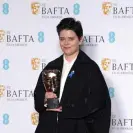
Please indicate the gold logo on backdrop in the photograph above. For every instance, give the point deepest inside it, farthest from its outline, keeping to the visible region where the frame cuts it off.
(34, 118)
(35, 62)
(106, 7)
(2, 89)
(105, 64)
(2, 35)
(35, 6)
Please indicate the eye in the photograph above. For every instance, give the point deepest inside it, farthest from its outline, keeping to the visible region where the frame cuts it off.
(62, 39)
(55, 79)
(71, 38)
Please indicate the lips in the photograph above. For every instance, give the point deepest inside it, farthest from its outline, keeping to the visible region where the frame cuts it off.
(67, 47)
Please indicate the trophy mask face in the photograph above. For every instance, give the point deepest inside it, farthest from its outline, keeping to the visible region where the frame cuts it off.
(51, 81)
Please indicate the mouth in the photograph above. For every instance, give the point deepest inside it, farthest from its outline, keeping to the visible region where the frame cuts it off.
(66, 47)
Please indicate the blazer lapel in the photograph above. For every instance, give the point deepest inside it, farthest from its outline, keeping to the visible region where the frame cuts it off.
(59, 66)
(73, 84)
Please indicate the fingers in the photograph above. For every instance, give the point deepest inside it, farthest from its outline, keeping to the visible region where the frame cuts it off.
(57, 109)
(50, 95)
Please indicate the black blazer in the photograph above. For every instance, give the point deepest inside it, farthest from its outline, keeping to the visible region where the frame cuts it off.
(86, 105)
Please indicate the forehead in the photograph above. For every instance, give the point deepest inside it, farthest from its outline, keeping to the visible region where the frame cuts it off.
(67, 33)
(108, 4)
(1, 31)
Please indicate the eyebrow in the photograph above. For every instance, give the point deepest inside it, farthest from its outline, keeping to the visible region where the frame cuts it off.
(68, 37)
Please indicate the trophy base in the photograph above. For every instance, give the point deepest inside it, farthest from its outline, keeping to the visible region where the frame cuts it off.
(52, 103)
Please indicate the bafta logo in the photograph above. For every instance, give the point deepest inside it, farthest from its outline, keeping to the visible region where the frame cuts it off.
(106, 7)
(105, 64)
(35, 6)
(2, 35)
(2, 89)
(34, 118)
(35, 62)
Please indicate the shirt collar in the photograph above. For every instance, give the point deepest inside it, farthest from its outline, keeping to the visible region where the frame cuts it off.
(69, 63)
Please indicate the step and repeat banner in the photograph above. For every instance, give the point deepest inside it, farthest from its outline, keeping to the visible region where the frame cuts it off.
(28, 41)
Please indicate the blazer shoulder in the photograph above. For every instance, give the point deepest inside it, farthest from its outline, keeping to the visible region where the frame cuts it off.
(56, 60)
(86, 58)
(95, 66)
(55, 63)
(92, 64)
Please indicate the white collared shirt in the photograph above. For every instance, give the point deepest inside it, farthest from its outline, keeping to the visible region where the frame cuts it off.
(65, 71)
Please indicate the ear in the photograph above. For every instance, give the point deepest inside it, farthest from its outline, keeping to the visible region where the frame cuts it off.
(81, 40)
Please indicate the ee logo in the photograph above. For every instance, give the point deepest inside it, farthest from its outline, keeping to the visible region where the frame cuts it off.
(41, 36)
(6, 64)
(111, 37)
(5, 119)
(5, 8)
(76, 9)
(111, 92)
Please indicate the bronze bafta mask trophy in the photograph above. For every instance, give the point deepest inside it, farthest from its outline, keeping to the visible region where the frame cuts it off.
(51, 81)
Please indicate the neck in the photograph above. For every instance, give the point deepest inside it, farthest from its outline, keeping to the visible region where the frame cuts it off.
(69, 58)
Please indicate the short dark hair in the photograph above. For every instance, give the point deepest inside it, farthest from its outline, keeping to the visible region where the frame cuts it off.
(70, 24)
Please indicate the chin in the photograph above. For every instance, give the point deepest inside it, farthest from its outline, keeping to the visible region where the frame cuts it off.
(68, 54)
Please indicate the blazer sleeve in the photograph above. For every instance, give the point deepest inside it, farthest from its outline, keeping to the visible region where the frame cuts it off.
(98, 121)
(39, 95)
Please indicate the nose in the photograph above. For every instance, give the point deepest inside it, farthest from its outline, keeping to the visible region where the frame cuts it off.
(66, 42)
